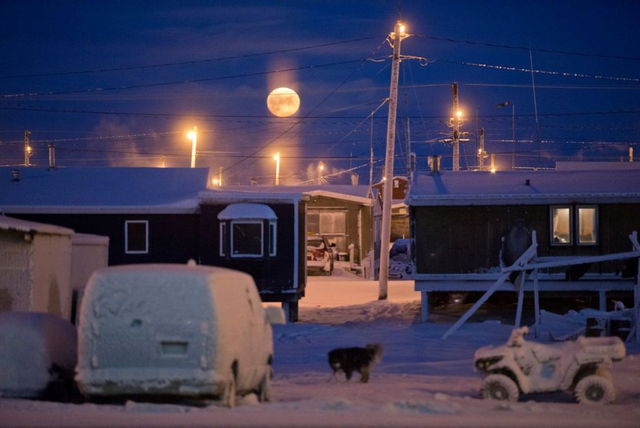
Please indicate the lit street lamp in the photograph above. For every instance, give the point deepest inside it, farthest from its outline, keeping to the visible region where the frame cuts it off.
(320, 169)
(277, 159)
(193, 136)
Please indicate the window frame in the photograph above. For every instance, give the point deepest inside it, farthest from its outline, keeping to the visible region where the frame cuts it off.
(571, 226)
(223, 236)
(126, 236)
(596, 229)
(273, 243)
(246, 256)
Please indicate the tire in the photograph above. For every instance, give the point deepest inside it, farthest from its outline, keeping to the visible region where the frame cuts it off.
(264, 392)
(499, 387)
(594, 389)
(229, 394)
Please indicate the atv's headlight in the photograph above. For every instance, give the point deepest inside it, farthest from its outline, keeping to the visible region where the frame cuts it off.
(485, 363)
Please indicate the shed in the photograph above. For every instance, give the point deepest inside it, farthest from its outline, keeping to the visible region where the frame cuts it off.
(88, 253)
(35, 267)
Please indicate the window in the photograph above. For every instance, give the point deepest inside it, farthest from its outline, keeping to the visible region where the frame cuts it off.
(272, 238)
(136, 237)
(561, 226)
(223, 238)
(327, 222)
(396, 184)
(587, 225)
(246, 239)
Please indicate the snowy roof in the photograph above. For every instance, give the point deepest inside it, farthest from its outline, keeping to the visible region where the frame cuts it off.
(88, 239)
(247, 211)
(345, 192)
(510, 187)
(102, 190)
(8, 223)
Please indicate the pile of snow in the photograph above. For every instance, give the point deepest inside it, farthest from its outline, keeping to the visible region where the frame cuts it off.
(35, 349)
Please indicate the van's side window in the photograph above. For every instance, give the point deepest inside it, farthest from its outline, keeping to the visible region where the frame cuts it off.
(136, 237)
(246, 238)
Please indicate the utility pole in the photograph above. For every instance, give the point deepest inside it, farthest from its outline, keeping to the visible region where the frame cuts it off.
(385, 235)
(220, 176)
(482, 154)
(513, 136)
(407, 136)
(455, 122)
(27, 148)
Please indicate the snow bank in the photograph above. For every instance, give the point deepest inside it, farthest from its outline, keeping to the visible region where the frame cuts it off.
(35, 349)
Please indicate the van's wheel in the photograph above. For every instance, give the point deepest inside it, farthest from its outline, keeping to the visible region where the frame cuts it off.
(264, 392)
(229, 394)
(499, 387)
(595, 389)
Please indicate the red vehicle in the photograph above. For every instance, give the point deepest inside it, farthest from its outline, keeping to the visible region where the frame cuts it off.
(319, 255)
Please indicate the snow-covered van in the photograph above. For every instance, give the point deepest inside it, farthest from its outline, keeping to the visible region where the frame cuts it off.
(174, 330)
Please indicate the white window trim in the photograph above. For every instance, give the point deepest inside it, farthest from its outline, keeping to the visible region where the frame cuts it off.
(223, 232)
(126, 237)
(273, 244)
(596, 226)
(571, 226)
(244, 256)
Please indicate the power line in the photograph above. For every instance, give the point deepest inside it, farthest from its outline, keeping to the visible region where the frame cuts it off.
(201, 61)
(179, 82)
(493, 45)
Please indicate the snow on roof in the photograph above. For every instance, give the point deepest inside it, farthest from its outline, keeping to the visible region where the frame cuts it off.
(345, 192)
(510, 187)
(582, 166)
(8, 223)
(247, 211)
(102, 190)
(88, 239)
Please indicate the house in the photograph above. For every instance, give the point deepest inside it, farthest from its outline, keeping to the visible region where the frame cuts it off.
(458, 220)
(145, 212)
(399, 209)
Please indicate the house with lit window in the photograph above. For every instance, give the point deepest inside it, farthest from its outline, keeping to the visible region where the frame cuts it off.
(459, 219)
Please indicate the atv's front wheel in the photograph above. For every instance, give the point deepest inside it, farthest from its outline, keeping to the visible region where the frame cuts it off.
(499, 387)
(595, 389)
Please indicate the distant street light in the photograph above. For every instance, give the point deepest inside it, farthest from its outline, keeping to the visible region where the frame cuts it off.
(193, 136)
(513, 131)
(320, 169)
(277, 159)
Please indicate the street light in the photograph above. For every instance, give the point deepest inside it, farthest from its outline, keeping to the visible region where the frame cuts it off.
(193, 136)
(320, 169)
(277, 159)
(513, 131)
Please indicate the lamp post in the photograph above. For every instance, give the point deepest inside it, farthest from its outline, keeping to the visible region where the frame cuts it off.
(277, 159)
(513, 130)
(193, 135)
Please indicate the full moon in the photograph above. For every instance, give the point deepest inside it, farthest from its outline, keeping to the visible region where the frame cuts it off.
(283, 102)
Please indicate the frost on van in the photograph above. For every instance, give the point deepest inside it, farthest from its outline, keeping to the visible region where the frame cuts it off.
(36, 348)
(170, 329)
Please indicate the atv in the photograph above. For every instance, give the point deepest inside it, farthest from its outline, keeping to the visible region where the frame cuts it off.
(582, 366)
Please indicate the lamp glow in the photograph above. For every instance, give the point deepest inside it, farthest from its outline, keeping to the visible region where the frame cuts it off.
(193, 136)
(277, 159)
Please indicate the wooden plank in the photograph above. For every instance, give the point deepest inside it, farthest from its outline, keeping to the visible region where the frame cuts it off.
(475, 307)
(576, 261)
(602, 300)
(467, 286)
(520, 299)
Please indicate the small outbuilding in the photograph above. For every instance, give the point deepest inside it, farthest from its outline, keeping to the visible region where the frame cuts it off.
(35, 267)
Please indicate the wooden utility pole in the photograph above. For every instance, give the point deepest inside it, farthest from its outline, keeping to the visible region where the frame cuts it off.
(27, 148)
(387, 189)
(456, 128)
(482, 154)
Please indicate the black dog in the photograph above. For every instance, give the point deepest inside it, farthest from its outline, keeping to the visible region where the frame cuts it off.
(357, 359)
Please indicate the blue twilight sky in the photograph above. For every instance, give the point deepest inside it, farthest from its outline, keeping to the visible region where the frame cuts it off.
(165, 66)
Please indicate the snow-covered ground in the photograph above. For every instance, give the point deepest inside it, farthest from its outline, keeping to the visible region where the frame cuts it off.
(421, 381)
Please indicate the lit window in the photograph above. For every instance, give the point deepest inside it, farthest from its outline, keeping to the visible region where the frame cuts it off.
(561, 225)
(136, 237)
(587, 225)
(396, 184)
(246, 239)
(272, 238)
(223, 238)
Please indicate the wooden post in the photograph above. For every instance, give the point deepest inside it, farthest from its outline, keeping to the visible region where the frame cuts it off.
(424, 305)
(523, 274)
(602, 298)
(536, 303)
